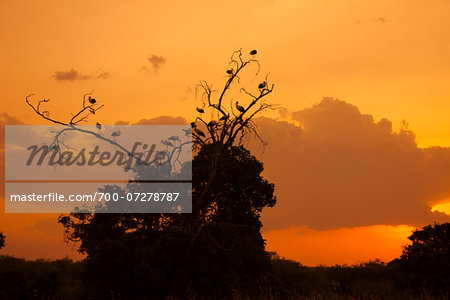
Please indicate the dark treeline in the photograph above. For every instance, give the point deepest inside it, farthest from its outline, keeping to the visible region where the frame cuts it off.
(40, 279)
(422, 272)
(64, 279)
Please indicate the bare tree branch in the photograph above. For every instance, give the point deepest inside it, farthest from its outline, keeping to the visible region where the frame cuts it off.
(229, 125)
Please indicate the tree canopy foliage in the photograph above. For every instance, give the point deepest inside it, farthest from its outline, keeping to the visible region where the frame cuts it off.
(426, 262)
(177, 253)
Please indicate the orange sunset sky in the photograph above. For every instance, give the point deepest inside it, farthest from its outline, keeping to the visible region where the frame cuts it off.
(353, 176)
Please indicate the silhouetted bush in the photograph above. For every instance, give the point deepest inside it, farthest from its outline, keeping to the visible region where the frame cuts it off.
(39, 279)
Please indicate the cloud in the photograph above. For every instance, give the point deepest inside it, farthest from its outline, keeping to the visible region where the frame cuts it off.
(156, 61)
(187, 93)
(284, 113)
(122, 123)
(163, 120)
(144, 69)
(103, 75)
(73, 75)
(340, 168)
(380, 20)
(6, 119)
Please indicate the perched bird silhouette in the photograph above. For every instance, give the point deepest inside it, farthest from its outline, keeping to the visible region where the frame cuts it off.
(200, 110)
(253, 52)
(92, 100)
(174, 138)
(240, 108)
(212, 123)
(98, 125)
(262, 85)
(230, 71)
(167, 143)
(115, 134)
(187, 131)
(199, 132)
(193, 125)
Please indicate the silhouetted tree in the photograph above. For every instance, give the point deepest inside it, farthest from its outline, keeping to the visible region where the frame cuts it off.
(426, 261)
(217, 250)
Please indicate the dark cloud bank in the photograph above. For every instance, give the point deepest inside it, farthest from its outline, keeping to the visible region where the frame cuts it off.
(343, 169)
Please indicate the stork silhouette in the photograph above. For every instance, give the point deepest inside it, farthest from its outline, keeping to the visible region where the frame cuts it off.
(115, 134)
(166, 143)
(187, 131)
(174, 138)
(240, 108)
(199, 132)
(212, 123)
(92, 100)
